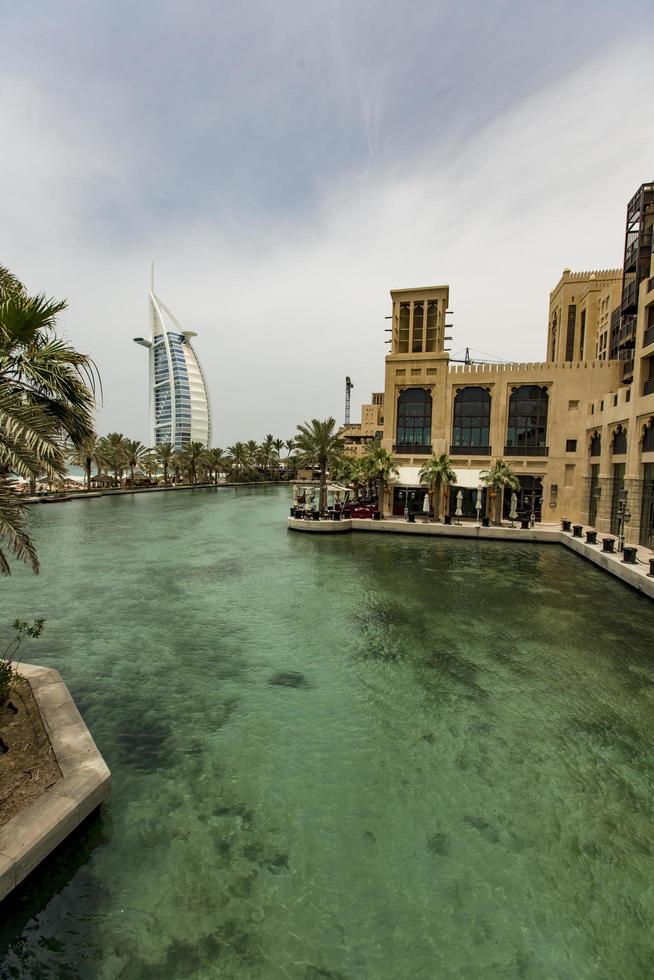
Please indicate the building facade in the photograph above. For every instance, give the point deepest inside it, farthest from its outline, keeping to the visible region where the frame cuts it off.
(179, 405)
(577, 428)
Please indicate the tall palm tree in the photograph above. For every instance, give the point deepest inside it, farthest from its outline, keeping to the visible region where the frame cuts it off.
(191, 456)
(85, 456)
(290, 446)
(164, 454)
(253, 456)
(499, 477)
(438, 472)
(319, 446)
(134, 454)
(113, 453)
(47, 396)
(215, 459)
(237, 456)
(380, 466)
(149, 463)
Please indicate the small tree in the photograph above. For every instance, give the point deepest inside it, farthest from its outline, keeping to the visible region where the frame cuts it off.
(498, 477)
(439, 473)
(380, 466)
(22, 629)
(165, 453)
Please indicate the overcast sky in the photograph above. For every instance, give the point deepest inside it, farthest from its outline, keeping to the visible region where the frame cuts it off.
(285, 163)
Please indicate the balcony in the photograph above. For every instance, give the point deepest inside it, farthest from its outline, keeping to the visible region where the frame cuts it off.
(403, 450)
(526, 451)
(470, 451)
(648, 387)
(630, 298)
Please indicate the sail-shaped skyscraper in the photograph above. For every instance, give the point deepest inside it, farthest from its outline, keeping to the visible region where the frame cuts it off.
(180, 409)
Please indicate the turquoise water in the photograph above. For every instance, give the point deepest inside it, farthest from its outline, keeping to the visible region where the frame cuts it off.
(358, 758)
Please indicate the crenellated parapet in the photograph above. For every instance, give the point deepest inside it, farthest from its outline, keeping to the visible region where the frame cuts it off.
(516, 367)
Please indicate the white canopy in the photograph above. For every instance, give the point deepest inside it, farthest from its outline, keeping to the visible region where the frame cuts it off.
(466, 476)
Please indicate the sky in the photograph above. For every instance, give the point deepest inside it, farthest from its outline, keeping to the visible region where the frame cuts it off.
(286, 163)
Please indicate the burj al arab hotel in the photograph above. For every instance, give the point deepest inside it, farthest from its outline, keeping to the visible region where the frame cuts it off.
(180, 410)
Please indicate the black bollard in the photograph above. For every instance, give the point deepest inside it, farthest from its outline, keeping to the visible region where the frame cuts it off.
(577, 530)
(629, 555)
(608, 544)
(566, 525)
(591, 537)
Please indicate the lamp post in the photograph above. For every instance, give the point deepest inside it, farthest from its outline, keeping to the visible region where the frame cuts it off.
(623, 516)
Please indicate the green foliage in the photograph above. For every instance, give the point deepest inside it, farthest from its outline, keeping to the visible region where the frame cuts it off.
(47, 396)
(22, 630)
(319, 445)
(438, 472)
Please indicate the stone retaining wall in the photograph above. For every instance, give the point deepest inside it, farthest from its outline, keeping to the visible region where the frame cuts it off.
(34, 832)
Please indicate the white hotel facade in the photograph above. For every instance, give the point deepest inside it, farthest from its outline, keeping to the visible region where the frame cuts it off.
(180, 409)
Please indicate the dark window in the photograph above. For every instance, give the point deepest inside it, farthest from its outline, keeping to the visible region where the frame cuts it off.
(571, 445)
(596, 445)
(619, 441)
(582, 335)
(593, 497)
(648, 439)
(570, 335)
(471, 423)
(527, 418)
(617, 486)
(414, 418)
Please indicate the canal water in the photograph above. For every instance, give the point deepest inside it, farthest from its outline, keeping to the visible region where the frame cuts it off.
(350, 758)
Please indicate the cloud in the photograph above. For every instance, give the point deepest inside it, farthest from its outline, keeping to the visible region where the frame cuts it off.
(288, 300)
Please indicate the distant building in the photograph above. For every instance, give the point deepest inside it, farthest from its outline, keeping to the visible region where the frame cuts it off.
(180, 410)
(577, 428)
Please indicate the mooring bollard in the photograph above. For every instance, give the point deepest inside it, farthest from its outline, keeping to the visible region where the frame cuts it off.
(577, 530)
(447, 519)
(376, 516)
(651, 567)
(629, 555)
(591, 537)
(485, 522)
(566, 525)
(607, 544)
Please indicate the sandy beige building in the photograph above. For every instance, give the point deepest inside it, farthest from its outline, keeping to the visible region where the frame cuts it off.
(577, 428)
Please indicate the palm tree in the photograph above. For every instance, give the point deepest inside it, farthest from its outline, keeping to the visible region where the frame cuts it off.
(498, 477)
(134, 454)
(164, 454)
(319, 446)
(191, 458)
(290, 446)
(438, 472)
(380, 466)
(113, 453)
(237, 456)
(47, 396)
(215, 459)
(85, 456)
(149, 463)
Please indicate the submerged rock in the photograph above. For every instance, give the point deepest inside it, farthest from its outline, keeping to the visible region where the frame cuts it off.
(289, 678)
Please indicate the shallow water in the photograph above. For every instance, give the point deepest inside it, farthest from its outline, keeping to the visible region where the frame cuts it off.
(358, 758)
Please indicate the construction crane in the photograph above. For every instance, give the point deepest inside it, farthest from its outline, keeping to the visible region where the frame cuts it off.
(469, 359)
(348, 388)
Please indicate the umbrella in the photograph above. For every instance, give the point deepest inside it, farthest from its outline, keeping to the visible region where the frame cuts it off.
(459, 504)
(425, 504)
(514, 507)
(478, 504)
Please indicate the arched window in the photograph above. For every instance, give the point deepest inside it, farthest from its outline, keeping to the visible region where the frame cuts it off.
(418, 316)
(527, 430)
(596, 445)
(619, 443)
(471, 419)
(648, 437)
(414, 420)
(403, 332)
